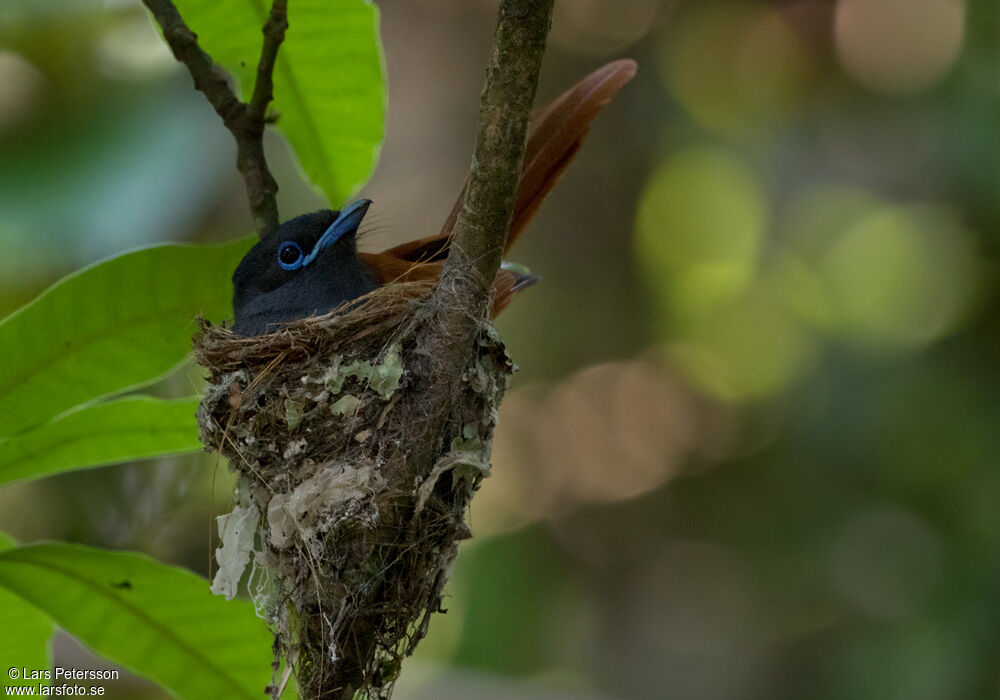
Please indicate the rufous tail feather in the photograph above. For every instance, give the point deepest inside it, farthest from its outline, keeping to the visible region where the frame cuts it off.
(557, 135)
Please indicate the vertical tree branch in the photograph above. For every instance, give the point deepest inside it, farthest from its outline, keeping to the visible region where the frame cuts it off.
(504, 114)
(246, 122)
(461, 296)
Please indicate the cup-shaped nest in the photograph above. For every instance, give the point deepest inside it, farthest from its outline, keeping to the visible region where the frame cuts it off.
(351, 494)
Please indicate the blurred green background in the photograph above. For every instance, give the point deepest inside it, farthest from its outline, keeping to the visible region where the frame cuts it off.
(752, 448)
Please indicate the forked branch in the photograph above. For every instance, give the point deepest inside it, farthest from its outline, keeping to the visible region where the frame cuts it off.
(245, 121)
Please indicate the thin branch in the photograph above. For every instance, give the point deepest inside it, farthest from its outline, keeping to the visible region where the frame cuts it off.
(245, 121)
(274, 34)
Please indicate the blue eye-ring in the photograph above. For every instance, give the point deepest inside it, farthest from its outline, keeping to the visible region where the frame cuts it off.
(290, 255)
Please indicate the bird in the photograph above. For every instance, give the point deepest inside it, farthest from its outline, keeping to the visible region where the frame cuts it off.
(310, 264)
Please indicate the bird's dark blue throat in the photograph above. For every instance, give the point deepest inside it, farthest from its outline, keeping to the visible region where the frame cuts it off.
(308, 266)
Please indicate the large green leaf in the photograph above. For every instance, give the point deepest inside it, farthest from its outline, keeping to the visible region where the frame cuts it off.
(134, 427)
(24, 642)
(112, 326)
(160, 621)
(329, 90)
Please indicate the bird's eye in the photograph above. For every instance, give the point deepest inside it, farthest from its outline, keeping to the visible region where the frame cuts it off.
(290, 255)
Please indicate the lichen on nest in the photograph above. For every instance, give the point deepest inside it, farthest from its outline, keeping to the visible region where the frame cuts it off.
(354, 519)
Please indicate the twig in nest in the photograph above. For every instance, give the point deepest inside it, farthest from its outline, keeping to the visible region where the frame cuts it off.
(245, 121)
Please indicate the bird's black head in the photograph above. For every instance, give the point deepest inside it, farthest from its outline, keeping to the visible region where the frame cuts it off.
(308, 266)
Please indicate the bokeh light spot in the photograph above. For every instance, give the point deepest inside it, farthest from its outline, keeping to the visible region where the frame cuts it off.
(20, 88)
(750, 350)
(700, 223)
(899, 46)
(901, 276)
(735, 66)
(607, 433)
(601, 27)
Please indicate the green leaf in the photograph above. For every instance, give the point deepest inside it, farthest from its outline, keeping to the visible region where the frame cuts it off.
(26, 633)
(110, 327)
(160, 621)
(134, 427)
(329, 89)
